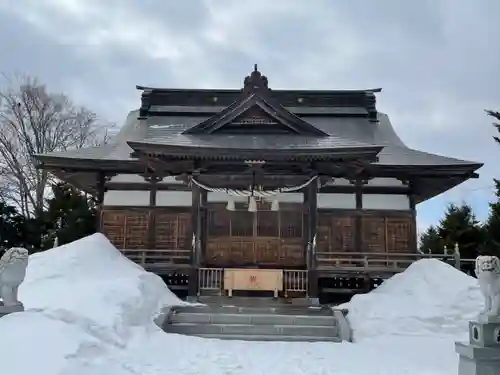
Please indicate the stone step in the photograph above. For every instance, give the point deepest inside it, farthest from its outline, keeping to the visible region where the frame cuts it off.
(228, 309)
(242, 301)
(248, 329)
(255, 319)
(269, 338)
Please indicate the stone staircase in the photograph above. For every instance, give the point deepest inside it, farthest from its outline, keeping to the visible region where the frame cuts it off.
(253, 319)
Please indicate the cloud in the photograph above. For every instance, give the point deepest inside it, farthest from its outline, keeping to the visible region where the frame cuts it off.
(434, 59)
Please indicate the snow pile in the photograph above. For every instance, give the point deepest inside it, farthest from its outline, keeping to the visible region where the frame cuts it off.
(81, 299)
(90, 312)
(430, 298)
(92, 279)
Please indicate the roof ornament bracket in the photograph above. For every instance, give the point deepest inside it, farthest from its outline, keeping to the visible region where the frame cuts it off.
(255, 82)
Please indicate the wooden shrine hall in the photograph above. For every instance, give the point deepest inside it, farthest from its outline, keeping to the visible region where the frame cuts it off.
(286, 192)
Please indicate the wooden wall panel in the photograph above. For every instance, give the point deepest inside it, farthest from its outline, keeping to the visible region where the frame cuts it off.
(373, 234)
(173, 230)
(381, 231)
(335, 233)
(136, 230)
(128, 228)
(399, 235)
(166, 230)
(113, 226)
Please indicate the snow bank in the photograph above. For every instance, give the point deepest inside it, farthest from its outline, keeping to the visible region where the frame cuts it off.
(92, 279)
(80, 298)
(90, 312)
(430, 298)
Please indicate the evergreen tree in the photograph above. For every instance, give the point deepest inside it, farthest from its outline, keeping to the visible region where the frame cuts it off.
(12, 227)
(430, 241)
(460, 226)
(492, 225)
(70, 216)
(496, 116)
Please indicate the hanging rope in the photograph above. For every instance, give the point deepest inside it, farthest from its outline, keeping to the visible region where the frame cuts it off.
(255, 193)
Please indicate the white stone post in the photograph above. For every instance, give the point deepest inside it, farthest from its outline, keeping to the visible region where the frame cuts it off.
(456, 256)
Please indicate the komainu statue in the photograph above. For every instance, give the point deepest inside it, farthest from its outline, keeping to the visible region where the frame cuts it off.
(488, 275)
(13, 266)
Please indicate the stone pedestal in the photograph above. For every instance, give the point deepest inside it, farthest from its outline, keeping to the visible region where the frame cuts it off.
(481, 356)
(6, 310)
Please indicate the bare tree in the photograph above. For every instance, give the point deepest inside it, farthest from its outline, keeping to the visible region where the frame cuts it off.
(34, 121)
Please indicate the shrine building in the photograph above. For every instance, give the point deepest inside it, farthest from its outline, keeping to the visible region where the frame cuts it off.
(291, 192)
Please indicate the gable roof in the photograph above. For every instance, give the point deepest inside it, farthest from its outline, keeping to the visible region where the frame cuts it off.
(256, 112)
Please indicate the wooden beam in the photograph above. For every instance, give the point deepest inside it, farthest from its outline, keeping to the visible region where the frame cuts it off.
(225, 181)
(153, 180)
(195, 223)
(365, 189)
(358, 220)
(312, 225)
(101, 180)
(141, 186)
(203, 224)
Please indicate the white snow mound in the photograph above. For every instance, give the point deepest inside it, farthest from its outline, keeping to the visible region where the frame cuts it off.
(81, 299)
(91, 278)
(429, 298)
(90, 312)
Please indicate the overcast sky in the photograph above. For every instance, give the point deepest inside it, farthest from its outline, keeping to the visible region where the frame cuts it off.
(438, 61)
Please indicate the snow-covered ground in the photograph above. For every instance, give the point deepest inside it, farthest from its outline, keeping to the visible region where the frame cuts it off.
(90, 311)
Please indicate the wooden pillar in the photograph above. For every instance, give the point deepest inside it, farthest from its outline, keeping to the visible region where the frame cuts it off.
(195, 223)
(203, 225)
(413, 209)
(358, 220)
(312, 219)
(305, 224)
(311, 203)
(196, 230)
(153, 190)
(101, 189)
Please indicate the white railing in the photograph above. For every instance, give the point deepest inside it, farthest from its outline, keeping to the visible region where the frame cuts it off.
(210, 279)
(294, 281)
(379, 261)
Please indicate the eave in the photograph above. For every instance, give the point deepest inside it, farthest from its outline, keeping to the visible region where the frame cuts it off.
(227, 153)
(93, 165)
(442, 170)
(84, 174)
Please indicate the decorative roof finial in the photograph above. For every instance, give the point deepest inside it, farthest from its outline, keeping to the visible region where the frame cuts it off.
(255, 82)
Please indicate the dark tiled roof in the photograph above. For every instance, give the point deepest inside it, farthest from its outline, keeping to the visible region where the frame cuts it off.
(345, 132)
(257, 142)
(160, 131)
